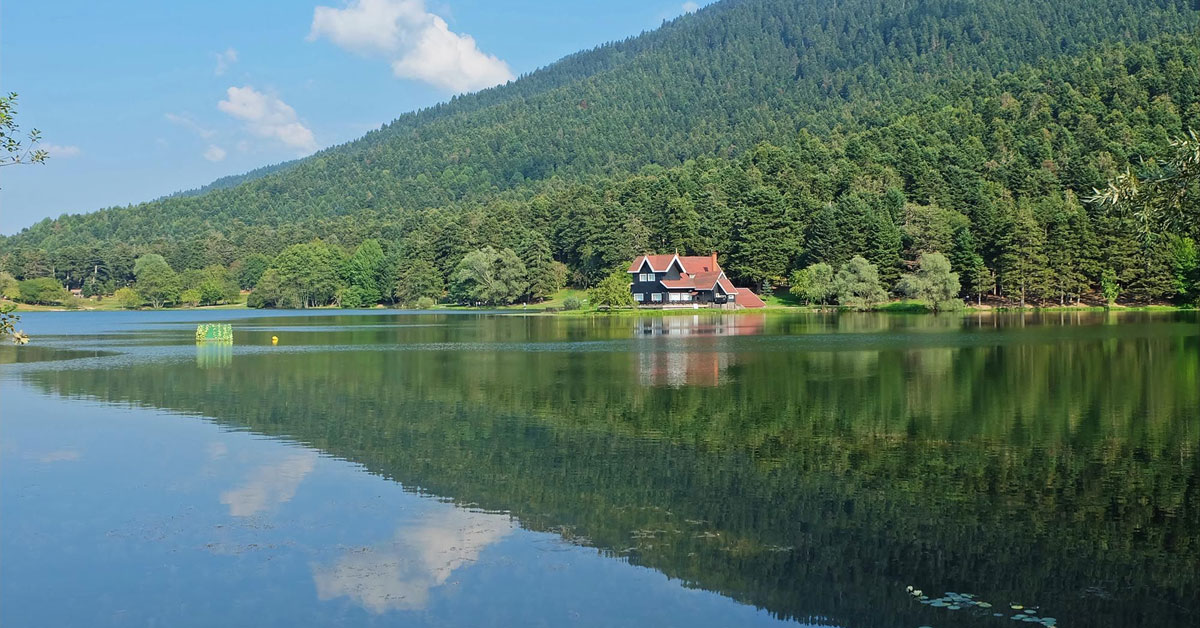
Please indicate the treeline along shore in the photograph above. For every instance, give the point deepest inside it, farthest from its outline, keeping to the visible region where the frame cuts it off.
(1045, 150)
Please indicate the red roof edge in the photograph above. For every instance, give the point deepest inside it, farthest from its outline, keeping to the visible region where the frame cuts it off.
(747, 298)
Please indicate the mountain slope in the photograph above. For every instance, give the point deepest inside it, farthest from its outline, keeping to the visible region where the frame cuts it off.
(714, 83)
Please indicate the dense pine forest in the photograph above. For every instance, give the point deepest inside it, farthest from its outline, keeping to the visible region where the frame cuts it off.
(780, 134)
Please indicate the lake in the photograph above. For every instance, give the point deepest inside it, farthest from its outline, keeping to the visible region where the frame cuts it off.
(393, 469)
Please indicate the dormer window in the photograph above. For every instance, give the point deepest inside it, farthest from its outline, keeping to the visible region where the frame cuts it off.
(646, 277)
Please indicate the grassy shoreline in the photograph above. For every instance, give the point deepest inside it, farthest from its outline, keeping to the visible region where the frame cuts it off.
(554, 307)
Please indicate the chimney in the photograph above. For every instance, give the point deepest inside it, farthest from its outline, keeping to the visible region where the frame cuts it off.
(714, 261)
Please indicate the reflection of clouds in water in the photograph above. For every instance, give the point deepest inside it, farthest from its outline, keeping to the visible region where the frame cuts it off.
(399, 575)
(59, 455)
(269, 485)
(216, 450)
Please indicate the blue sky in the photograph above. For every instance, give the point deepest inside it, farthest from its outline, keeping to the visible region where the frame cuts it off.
(140, 99)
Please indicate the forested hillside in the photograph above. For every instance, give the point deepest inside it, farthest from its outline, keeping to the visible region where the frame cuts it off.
(779, 133)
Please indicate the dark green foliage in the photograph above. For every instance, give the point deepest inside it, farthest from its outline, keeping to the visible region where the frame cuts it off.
(418, 280)
(545, 276)
(209, 286)
(489, 277)
(779, 134)
(250, 270)
(367, 274)
(974, 276)
(1022, 264)
(307, 272)
(42, 291)
(157, 282)
(271, 292)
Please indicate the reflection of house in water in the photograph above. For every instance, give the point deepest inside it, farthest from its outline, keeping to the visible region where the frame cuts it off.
(214, 355)
(701, 361)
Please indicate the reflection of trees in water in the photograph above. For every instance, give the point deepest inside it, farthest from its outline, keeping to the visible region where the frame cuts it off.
(812, 483)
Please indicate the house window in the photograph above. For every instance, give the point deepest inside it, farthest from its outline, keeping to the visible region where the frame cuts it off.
(674, 297)
(656, 297)
(646, 277)
(639, 297)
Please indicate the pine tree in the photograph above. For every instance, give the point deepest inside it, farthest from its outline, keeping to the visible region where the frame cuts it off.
(366, 272)
(1023, 256)
(545, 275)
(763, 242)
(972, 272)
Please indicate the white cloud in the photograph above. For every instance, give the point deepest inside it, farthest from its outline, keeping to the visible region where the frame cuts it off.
(418, 43)
(690, 7)
(224, 60)
(214, 153)
(186, 121)
(400, 574)
(269, 485)
(60, 151)
(268, 116)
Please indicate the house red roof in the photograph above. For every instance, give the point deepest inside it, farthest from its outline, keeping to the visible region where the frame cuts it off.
(746, 298)
(658, 263)
(692, 264)
(682, 282)
(702, 281)
(696, 264)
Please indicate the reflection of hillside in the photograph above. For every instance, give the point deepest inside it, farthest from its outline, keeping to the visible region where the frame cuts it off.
(813, 484)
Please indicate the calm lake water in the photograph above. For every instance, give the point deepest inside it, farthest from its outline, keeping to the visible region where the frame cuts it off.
(474, 470)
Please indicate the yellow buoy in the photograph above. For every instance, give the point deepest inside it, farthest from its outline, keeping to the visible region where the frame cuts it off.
(274, 340)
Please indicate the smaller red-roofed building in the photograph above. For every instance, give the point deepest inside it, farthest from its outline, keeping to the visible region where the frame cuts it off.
(685, 281)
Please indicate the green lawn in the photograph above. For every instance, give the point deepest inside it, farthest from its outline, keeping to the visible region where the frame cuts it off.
(110, 304)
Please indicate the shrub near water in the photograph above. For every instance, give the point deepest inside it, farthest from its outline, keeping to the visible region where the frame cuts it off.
(128, 298)
(934, 284)
(858, 285)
